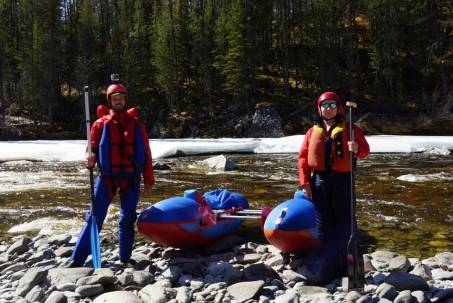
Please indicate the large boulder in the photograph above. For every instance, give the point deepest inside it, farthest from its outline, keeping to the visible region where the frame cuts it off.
(158, 292)
(34, 276)
(399, 264)
(178, 125)
(445, 259)
(405, 281)
(220, 163)
(20, 246)
(61, 276)
(56, 297)
(244, 291)
(266, 123)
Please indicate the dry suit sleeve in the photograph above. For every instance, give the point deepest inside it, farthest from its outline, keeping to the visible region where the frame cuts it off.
(304, 169)
(148, 173)
(95, 137)
(364, 148)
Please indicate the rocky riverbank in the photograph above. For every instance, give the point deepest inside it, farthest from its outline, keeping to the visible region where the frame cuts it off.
(266, 120)
(230, 271)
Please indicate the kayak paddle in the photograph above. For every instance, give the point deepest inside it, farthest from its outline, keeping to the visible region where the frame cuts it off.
(94, 231)
(354, 261)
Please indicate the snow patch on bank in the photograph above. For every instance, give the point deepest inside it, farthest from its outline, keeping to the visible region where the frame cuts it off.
(74, 150)
(425, 178)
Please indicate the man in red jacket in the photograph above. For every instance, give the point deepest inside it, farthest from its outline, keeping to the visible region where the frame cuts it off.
(324, 175)
(121, 151)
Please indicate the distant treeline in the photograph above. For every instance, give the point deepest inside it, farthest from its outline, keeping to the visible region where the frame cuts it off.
(205, 55)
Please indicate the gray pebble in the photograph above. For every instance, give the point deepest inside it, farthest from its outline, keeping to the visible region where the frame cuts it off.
(403, 297)
(353, 296)
(365, 299)
(57, 297)
(89, 290)
(386, 291)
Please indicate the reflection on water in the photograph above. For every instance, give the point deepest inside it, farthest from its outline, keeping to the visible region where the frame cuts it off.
(404, 201)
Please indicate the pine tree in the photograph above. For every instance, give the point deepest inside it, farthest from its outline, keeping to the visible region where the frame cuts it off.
(9, 35)
(230, 51)
(137, 58)
(47, 39)
(443, 52)
(385, 35)
(91, 45)
(170, 53)
(202, 14)
(27, 97)
(193, 54)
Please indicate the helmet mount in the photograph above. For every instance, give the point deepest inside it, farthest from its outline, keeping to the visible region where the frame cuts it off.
(115, 78)
(115, 88)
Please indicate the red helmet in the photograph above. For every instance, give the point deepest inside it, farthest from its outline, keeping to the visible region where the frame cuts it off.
(330, 96)
(116, 88)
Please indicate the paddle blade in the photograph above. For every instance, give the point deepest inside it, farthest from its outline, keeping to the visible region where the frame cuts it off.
(354, 261)
(95, 245)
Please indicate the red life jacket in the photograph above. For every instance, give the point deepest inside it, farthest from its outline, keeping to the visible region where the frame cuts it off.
(335, 143)
(121, 150)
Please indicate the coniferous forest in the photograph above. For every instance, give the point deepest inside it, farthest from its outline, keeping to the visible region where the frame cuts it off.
(202, 67)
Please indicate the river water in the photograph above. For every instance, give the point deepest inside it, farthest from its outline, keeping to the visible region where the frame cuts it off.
(404, 201)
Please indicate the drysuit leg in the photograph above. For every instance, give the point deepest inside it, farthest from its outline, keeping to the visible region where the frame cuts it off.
(128, 215)
(324, 199)
(103, 194)
(331, 197)
(342, 209)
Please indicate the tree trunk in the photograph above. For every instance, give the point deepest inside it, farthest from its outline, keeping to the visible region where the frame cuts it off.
(34, 107)
(352, 54)
(285, 42)
(2, 95)
(206, 73)
(176, 57)
(445, 79)
(321, 45)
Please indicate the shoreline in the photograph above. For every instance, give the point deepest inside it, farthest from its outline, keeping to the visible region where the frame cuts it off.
(227, 271)
(371, 123)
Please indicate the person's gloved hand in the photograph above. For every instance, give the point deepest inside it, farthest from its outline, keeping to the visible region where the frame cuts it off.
(353, 146)
(307, 191)
(91, 161)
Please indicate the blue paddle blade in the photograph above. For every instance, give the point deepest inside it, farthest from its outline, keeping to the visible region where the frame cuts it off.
(95, 246)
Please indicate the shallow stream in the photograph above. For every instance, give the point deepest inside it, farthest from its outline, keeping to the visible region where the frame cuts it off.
(405, 201)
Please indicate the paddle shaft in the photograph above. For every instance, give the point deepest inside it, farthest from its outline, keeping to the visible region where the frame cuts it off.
(90, 153)
(94, 231)
(352, 243)
(247, 214)
(242, 217)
